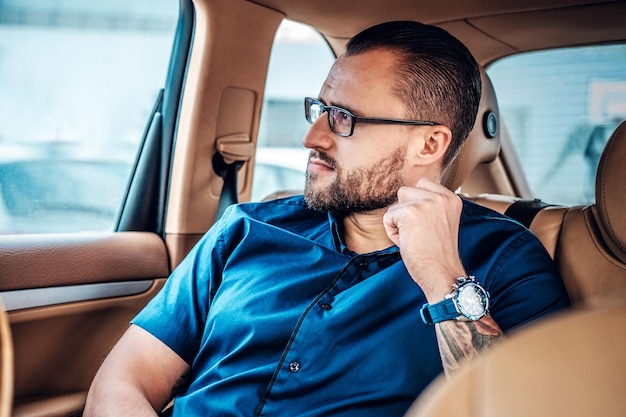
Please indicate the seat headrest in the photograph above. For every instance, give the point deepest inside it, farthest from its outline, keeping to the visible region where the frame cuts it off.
(610, 210)
(483, 143)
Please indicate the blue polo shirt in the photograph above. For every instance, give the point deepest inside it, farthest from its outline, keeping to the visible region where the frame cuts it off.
(278, 318)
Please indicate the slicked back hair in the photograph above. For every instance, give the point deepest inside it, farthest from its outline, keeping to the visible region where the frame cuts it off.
(437, 76)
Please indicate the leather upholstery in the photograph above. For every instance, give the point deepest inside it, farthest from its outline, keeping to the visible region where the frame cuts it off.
(571, 365)
(479, 146)
(610, 207)
(6, 364)
(587, 242)
(593, 277)
(591, 249)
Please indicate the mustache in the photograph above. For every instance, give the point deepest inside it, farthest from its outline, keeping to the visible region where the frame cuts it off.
(322, 156)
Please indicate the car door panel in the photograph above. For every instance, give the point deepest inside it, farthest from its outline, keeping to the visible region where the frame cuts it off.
(94, 284)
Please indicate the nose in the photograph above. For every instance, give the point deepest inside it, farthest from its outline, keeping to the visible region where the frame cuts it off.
(319, 135)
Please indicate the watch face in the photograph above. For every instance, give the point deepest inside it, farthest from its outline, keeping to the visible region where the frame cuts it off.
(473, 302)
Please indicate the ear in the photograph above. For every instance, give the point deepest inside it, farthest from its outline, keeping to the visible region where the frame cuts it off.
(429, 146)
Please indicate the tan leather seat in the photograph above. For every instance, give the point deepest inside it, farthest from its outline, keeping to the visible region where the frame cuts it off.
(571, 365)
(591, 249)
(483, 142)
(6, 364)
(588, 242)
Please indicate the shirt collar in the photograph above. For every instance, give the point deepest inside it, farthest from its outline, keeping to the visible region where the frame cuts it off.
(340, 245)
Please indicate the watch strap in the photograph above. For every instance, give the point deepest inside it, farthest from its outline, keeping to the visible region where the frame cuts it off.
(441, 311)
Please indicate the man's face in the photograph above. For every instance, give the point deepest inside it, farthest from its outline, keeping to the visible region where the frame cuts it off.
(361, 172)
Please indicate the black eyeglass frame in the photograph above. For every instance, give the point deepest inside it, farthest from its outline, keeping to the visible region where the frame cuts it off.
(354, 119)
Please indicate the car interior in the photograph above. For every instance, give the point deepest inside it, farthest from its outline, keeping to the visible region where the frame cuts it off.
(68, 297)
(571, 364)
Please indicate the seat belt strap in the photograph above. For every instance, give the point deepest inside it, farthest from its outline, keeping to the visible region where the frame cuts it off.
(233, 151)
(524, 211)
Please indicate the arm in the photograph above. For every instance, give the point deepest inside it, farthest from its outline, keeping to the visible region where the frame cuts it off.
(138, 377)
(424, 224)
(461, 341)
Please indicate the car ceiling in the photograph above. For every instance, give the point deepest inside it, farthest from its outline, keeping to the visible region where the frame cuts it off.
(491, 29)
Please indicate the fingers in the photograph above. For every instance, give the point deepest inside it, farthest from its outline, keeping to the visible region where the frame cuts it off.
(420, 208)
(424, 224)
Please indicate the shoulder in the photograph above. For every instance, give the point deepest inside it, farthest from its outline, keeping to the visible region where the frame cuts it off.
(475, 212)
(290, 214)
(275, 210)
(512, 263)
(485, 231)
(484, 219)
(291, 203)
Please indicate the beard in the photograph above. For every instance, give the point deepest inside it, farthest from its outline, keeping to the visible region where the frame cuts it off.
(363, 189)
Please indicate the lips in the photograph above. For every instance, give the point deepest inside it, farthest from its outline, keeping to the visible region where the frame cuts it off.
(320, 162)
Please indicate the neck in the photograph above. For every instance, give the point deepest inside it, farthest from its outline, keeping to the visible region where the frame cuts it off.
(364, 232)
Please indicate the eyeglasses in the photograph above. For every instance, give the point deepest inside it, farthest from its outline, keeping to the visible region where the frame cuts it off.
(342, 121)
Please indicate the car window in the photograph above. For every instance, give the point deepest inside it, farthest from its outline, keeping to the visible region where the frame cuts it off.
(299, 63)
(78, 80)
(560, 107)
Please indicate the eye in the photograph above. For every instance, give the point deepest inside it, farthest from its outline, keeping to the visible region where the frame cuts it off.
(341, 117)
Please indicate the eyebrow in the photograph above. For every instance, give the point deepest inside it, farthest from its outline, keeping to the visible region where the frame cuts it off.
(339, 105)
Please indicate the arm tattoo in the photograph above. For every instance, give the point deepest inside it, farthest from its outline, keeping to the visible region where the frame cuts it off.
(462, 341)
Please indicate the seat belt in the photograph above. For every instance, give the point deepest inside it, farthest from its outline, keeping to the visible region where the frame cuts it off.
(524, 211)
(233, 151)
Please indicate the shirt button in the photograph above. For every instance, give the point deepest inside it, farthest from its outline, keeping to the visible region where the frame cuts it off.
(294, 366)
(363, 264)
(326, 306)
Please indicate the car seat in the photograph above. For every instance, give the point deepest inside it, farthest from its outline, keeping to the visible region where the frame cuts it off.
(588, 242)
(571, 365)
(483, 142)
(591, 248)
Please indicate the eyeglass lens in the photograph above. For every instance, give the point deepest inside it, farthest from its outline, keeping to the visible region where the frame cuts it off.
(340, 120)
(315, 110)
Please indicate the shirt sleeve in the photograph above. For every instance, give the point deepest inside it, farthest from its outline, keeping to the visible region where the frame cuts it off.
(524, 283)
(177, 314)
(512, 264)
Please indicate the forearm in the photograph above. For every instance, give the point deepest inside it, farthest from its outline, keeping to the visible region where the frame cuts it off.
(461, 341)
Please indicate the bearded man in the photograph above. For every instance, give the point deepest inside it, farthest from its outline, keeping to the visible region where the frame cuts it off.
(349, 300)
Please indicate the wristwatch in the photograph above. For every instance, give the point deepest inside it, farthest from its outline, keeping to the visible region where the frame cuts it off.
(467, 301)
